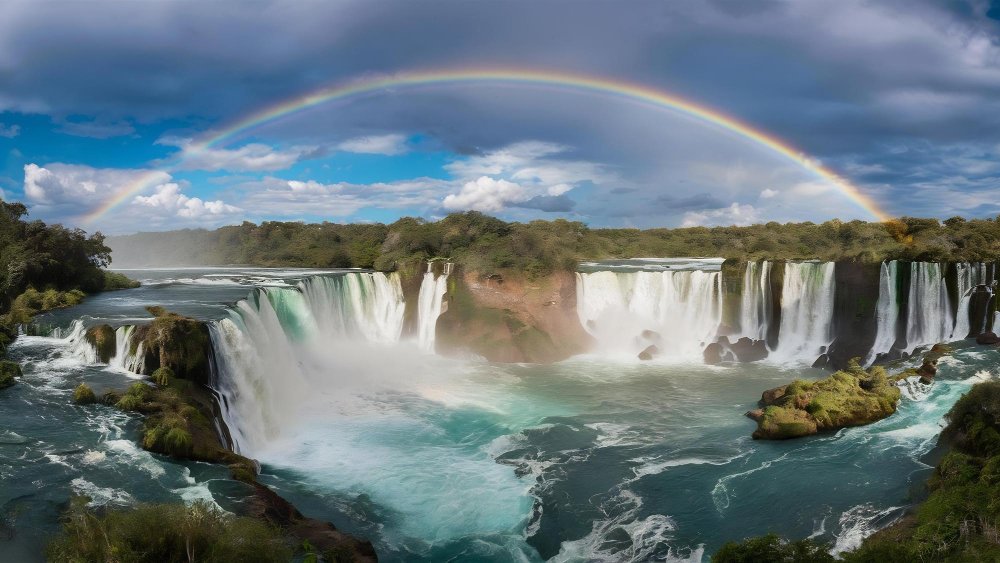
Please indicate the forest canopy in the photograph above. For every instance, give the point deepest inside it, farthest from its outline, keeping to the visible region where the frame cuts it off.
(485, 244)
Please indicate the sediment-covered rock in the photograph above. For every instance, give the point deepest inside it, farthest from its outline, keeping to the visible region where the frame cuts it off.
(988, 339)
(852, 397)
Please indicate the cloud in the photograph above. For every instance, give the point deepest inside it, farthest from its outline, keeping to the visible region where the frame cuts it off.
(485, 194)
(9, 131)
(100, 128)
(61, 192)
(301, 199)
(768, 193)
(547, 203)
(252, 157)
(381, 144)
(168, 197)
(735, 214)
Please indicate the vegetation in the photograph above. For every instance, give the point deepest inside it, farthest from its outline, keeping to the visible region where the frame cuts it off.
(847, 398)
(485, 244)
(8, 372)
(104, 341)
(176, 342)
(84, 395)
(960, 519)
(772, 549)
(164, 533)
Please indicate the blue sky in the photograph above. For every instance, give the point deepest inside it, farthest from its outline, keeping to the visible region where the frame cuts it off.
(901, 98)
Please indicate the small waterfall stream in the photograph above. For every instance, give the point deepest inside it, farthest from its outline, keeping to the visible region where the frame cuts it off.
(886, 311)
(429, 303)
(929, 311)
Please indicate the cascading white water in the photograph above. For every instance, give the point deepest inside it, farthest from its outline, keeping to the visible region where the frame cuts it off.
(79, 346)
(283, 347)
(429, 302)
(124, 359)
(755, 305)
(683, 308)
(929, 312)
(807, 295)
(886, 311)
(969, 276)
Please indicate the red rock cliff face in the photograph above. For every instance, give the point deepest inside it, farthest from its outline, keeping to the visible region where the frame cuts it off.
(511, 319)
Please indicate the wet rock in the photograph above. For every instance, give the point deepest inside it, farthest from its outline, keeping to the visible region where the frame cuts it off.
(988, 339)
(756, 415)
(822, 361)
(927, 371)
(747, 350)
(649, 353)
(772, 396)
(713, 354)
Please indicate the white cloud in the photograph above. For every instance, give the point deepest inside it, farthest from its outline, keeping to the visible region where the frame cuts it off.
(79, 186)
(253, 157)
(735, 214)
(768, 193)
(486, 194)
(294, 198)
(379, 144)
(169, 198)
(9, 131)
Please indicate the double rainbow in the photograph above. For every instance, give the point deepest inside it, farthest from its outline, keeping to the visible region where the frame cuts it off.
(618, 88)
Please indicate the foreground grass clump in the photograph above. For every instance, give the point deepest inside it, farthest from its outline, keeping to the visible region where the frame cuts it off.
(164, 533)
(847, 398)
(84, 395)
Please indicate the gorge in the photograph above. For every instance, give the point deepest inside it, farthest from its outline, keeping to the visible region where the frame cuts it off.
(329, 379)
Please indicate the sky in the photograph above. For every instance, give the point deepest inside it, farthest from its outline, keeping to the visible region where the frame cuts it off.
(901, 99)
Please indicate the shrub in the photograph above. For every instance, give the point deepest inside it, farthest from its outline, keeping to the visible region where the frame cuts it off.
(84, 395)
(772, 549)
(162, 376)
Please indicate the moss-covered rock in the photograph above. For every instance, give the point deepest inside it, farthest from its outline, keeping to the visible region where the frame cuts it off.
(103, 339)
(8, 372)
(847, 398)
(180, 343)
(84, 395)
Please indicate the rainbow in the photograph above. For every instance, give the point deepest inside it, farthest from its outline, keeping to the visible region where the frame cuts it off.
(619, 88)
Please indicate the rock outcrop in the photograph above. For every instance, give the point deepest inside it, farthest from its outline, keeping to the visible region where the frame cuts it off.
(505, 319)
(9, 371)
(180, 343)
(852, 397)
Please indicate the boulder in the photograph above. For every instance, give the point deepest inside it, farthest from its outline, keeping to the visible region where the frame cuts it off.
(713, 354)
(84, 395)
(822, 361)
(772, 396)
(747, 350)
(649, 353)
(988, 339)
(927, 371)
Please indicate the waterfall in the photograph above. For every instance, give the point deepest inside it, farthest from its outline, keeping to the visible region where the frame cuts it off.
(124, 359)
(79, 346)
(282, 347)
(969, 276)
(678, 311)
(929, 312)
(432, 290)
(807, 295)
(886, 311)
(755, 305)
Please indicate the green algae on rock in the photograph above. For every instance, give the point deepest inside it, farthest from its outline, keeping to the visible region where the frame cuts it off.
(84, 395)
(852, 397)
